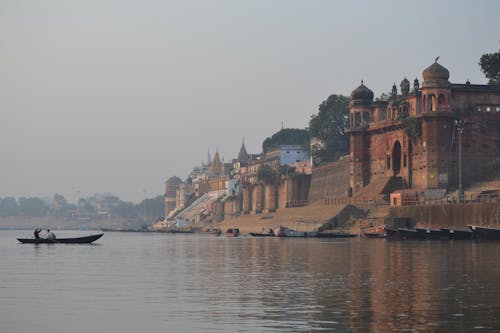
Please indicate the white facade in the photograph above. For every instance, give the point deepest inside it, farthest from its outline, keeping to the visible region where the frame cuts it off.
(290, 154)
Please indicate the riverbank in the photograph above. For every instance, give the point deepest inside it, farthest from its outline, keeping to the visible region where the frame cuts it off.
(26, 222)
(301, 219)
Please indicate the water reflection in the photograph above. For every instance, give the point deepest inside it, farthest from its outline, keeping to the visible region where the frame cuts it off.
(131, 282)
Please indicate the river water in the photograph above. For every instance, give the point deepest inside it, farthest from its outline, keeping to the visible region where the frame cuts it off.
(147, 282)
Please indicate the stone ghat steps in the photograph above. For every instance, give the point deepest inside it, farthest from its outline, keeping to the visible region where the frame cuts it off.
(302, 219)
(380, 189)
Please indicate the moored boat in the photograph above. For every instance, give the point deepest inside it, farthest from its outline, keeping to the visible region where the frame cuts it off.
(424, 233)
(392, 233)
(457, 233)
(335, 234)
(409, 233)
(73, 240)
(282, 231)
(232, 232)
(487, 233)
(374, 232)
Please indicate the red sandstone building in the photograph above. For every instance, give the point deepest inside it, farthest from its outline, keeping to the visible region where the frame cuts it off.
(381, 149)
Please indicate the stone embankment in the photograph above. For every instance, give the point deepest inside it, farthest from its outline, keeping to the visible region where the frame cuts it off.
(301, 218)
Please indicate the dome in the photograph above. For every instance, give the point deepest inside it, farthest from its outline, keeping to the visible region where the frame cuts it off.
(436, 72)
(362, 93)
(174, 180)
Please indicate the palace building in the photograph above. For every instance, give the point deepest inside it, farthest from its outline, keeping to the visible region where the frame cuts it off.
(434, 136)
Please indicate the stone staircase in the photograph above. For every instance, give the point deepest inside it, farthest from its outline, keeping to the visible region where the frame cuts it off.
(379, 190)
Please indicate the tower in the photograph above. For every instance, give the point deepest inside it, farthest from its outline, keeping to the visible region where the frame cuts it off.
(360, 115)
(437, 120)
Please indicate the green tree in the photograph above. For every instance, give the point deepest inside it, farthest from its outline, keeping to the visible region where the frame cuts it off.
(267, 175)
(490, 65)
(287, 136)
(329, 125)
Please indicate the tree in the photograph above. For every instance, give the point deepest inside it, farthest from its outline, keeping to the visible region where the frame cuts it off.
(329, 125)
(35, 207)
(286, 136)
(151, 208)
(490, 65)
(267, 175)
(9, 207)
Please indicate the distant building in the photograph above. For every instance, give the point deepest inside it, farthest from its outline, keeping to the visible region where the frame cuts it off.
(171, 186)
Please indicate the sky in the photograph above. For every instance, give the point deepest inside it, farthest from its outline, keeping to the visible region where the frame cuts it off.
(116, 96)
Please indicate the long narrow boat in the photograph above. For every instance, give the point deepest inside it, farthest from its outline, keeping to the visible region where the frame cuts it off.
(409, 233)
(481, 232)
(392, 233)
(261, 234)
(458, 233)
(374, 232)
(74, 240)
(424, 233)
(335, 234)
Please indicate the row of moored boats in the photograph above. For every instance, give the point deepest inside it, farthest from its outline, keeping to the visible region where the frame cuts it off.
(472, 232)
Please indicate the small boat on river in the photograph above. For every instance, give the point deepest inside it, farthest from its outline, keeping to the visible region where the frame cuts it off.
(73, 240)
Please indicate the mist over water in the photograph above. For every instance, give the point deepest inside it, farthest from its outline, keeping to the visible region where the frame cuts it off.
(133, 282)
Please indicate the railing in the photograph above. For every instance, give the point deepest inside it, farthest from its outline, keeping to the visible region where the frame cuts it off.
(372, 203)
(297, 203)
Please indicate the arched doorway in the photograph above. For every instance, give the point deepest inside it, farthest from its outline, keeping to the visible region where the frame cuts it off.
(396, 158)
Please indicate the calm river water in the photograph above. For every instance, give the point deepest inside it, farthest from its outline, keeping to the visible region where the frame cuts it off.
(149, 282)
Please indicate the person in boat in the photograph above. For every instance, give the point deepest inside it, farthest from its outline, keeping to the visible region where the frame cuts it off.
(271, 232)
(50, 235)
(37, 232)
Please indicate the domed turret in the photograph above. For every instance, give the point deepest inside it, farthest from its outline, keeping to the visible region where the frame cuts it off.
(436, 72)
(405, 87)
(362, 93)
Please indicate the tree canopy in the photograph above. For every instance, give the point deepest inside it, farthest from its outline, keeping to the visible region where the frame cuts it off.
(286, 136)
(490, 65)
(329, 125)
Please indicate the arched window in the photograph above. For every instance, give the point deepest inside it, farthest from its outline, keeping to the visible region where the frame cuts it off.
(441, 100)
(357, 119)
(432, 103)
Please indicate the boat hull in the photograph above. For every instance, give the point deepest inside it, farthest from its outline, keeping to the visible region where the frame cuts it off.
(485, 232)
(75, 240)
(257, 234)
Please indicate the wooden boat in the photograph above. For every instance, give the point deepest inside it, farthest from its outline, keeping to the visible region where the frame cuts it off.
(335, 234)
(487, 233)
(374, 232)
(270, 233)
(392, 233)
(457, 233)
(233, 232)
(409, 233)
(424, 233)
(74, 240)
(287, 232)
(259, 234)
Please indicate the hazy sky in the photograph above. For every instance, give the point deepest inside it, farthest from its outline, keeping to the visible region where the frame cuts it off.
(117, 96)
